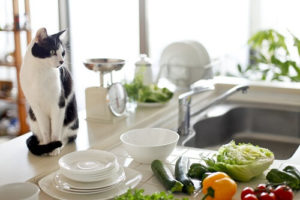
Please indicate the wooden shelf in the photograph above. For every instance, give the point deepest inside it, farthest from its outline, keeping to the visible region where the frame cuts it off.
(6, 64)
(14, 30)
(8, 99)
(17, 54)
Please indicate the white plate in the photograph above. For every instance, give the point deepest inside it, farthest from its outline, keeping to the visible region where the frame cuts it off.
(89, 191)
(91, 177)
(152, 105)
(66, 183)
(184, 63)
(132, 179)
(88, 162)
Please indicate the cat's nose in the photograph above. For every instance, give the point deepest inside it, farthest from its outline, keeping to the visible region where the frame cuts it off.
(61, 62)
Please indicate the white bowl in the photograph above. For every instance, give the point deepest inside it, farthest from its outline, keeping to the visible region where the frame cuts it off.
(148, 144)
(19, 191)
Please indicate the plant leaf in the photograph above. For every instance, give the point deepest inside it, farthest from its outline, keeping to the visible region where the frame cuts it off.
(240, 68)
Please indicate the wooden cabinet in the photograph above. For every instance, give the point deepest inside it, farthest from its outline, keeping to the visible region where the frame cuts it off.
(17, 30)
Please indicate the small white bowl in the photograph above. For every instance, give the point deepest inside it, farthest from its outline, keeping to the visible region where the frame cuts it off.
(19, 191)
(148, 144)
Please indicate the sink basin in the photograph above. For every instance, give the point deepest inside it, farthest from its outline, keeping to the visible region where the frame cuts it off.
(274, 127)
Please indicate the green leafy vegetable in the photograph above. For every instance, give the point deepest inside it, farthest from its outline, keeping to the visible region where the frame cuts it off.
(241, 162)
(277, 176)
(138, 195)
(147, 93)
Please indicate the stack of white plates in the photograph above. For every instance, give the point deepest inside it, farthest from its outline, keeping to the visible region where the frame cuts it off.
(94, 173)
(88, 172)
(89, 166)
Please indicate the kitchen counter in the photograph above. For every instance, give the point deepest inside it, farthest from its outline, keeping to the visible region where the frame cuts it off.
(150, 183)
(18, 165)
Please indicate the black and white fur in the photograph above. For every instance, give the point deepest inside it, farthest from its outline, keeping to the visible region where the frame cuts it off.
(47, 86)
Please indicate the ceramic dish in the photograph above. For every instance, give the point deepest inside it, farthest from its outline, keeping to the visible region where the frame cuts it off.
(151, 105)
(15, 191)
(132, 180)
(88, 162)
(185, 62)
(93, 177)
(66, 183)
(89, 191)
(148, 144)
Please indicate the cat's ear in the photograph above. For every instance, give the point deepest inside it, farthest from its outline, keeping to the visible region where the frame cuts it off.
(62, 35)
(41, 34)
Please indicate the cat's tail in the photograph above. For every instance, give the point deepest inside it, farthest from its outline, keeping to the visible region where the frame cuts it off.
(37, 149)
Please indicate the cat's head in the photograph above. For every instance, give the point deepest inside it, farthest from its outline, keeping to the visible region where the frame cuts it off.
(49, 48)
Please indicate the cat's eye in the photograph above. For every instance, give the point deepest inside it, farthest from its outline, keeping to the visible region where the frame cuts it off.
(63, 53)
(52, 52)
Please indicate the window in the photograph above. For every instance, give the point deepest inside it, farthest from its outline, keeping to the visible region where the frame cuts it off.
(221, 26)
(101, 28)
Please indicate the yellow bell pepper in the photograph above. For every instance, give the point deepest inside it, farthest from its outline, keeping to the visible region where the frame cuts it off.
(218, 186)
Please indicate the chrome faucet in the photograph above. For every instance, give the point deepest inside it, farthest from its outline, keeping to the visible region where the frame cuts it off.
(184, 101)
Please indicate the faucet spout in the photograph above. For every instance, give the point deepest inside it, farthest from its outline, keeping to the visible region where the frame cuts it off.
(184, 101)
(223, 97)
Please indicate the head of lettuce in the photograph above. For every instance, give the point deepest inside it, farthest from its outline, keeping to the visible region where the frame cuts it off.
(241, 162)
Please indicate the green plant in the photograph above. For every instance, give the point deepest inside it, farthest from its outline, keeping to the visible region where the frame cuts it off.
(270, 58)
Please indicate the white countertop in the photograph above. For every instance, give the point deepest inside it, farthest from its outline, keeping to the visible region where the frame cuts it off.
(150, 183)
(18, 165)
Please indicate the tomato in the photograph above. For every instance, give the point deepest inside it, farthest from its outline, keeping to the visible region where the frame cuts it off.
(247, 190)
(267, 196)
(250, 197)
(260, 189)
(283, 192)
(270, 189)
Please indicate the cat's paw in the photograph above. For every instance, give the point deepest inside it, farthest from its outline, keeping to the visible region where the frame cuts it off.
(55, 152)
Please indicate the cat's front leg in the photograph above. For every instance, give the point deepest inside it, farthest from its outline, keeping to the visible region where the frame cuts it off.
(43, 125)
(57, 118)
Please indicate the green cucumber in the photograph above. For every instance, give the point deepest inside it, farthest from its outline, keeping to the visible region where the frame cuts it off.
(181, 169)
(164, 175)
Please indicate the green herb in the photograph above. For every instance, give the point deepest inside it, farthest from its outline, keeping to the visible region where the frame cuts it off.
(138, 195)
(270, 58)
(147, 93)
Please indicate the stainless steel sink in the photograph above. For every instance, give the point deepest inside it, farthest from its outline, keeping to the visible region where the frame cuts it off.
(274, 127)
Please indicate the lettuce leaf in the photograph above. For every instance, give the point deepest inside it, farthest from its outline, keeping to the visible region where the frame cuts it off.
(241, 162)
(147, 93)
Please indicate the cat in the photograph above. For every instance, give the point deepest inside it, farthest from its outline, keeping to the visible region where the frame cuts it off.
(48, 88)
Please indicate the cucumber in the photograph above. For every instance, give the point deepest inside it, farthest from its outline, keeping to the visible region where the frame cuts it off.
(164, 175)
(181, 170)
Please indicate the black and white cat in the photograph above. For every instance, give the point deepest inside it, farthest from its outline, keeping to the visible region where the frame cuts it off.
(47, 86)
